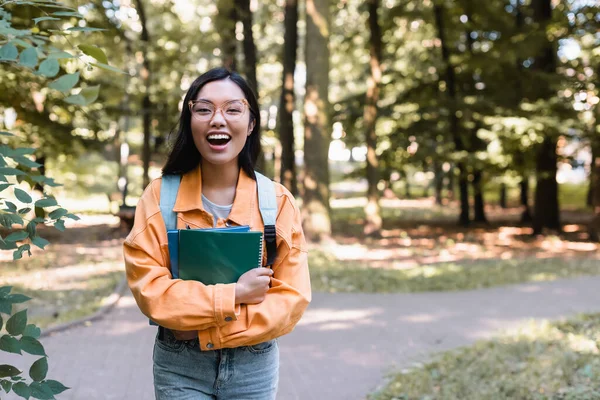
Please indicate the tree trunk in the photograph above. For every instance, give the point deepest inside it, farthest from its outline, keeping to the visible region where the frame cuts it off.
(546, 210)
(479, 204)
(591, 188)
(546, 213)
(245, 16)
(439, 182)
(225, 24)
(454, 127)
(451, 183)
(594, 227)
(526, 216)
(146, 103)
(288, 99)
(503, 195)
(317, 223)
(373, 210)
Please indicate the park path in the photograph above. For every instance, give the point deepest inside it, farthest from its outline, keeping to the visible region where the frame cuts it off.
(341, 350)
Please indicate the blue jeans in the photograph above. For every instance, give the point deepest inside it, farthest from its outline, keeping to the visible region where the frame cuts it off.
(183, 372)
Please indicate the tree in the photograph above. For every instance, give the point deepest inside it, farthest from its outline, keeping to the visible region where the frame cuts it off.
(372, 210)
(225, 24)
(288, 99)
(546, 213)
(317, 223)
(450, 79)
(146, 103)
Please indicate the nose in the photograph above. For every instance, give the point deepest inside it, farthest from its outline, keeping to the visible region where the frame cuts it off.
(218, 119)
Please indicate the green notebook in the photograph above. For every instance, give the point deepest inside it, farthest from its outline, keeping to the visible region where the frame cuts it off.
(212, 257)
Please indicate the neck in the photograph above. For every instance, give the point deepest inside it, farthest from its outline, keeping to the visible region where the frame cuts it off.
(215, 177)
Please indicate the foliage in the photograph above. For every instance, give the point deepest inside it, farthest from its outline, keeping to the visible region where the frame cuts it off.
(21, 337)
(28, 51)
(540, 361)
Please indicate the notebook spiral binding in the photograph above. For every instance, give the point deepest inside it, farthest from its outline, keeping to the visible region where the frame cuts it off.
(260, 253)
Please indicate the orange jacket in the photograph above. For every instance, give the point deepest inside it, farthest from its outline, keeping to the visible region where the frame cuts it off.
(190, 305)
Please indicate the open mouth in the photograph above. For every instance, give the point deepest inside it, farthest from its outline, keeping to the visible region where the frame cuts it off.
(218, 139)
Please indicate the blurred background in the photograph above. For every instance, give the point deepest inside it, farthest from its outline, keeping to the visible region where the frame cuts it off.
(433, 145)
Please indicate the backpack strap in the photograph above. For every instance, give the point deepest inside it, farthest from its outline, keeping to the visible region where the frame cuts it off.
(168, 195)
(267, 203)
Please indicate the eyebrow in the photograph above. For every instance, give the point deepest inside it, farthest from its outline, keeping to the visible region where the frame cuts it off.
(209, 101)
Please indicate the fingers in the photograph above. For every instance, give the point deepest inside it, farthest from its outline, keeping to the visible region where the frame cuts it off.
(261, 271)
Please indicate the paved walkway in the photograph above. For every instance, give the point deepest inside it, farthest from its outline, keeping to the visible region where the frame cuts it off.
(342, 348)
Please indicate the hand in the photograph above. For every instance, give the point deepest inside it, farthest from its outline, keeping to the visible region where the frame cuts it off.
(252, 287)
(185, 335)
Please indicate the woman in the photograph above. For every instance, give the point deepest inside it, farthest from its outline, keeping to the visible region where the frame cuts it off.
(217, 341)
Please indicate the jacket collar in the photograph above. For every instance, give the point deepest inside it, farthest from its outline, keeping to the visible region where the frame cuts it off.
(189, 196)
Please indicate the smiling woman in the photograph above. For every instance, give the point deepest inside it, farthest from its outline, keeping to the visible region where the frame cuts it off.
(217, 341)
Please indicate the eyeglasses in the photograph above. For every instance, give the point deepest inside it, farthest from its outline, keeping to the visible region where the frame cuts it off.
(232, 110)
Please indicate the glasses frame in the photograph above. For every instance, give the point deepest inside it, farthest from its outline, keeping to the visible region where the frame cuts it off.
(218, 108)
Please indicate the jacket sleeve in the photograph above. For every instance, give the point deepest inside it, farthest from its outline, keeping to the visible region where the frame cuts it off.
(290, 291)
(172, 303)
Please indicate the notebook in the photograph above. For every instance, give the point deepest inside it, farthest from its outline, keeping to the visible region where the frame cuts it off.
(173, 237)
(214, 256)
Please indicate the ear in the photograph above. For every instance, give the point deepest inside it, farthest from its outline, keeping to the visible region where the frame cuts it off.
(251, 126)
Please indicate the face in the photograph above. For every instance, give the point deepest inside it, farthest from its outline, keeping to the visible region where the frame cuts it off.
(221, 135)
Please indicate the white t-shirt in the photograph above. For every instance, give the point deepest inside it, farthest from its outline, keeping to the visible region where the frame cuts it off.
(216, 210)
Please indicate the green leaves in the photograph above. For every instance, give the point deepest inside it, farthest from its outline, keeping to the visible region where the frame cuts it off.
(39, 242)
(65, 83)
(8, 52)
(55, 386)
(29, 58)
(40, 19)
(84, 29)
(67, 14)
(7, 371)
(46, 202)
(86, 96)
(6, 385)
(108, 68)
(32, 331)
(17, 236)
(10, 344)
(58, 213)
(40, 390)
(21, 389)
(39, 369)
(94, 51)
(32, 346)
(16, 324)
(23, 196)
(49, 68)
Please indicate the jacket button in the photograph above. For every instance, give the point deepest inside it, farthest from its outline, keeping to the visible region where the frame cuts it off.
(228, 319)
(209, 345)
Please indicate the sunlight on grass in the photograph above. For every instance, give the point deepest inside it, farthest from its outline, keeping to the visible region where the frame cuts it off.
(52, 306)
(539, 361)
(328, 274)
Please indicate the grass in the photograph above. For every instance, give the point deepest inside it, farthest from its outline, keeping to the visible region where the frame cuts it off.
(50, 307)
(331, 275)
(71, 278)
(540, 361)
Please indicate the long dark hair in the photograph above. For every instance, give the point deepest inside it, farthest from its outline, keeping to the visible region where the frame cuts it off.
(184, 155)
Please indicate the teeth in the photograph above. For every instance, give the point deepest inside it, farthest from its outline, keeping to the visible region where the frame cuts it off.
(218, 136)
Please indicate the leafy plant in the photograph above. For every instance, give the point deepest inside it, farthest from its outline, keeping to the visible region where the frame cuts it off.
(31, 49)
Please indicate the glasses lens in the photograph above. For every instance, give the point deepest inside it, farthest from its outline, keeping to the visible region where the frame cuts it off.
(234, 110)
(203, 110)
